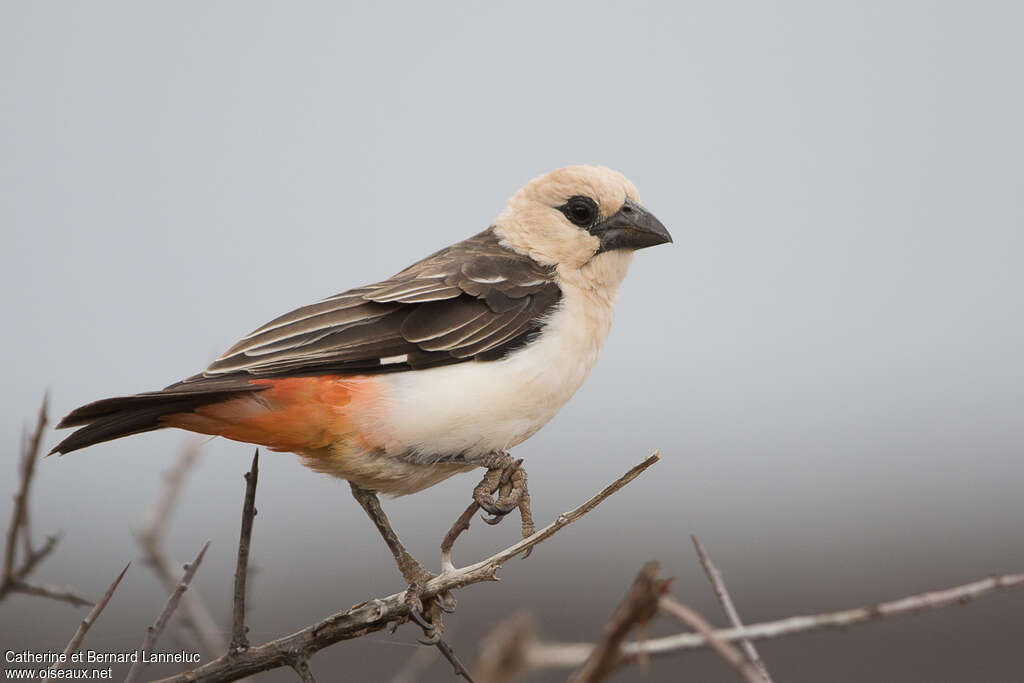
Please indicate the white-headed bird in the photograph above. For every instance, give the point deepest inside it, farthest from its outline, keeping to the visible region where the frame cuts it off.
(439, 369)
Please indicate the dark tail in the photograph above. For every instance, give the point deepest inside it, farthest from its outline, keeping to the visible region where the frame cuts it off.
(113, 418)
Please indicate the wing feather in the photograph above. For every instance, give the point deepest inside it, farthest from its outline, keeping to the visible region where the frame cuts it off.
(473, 300)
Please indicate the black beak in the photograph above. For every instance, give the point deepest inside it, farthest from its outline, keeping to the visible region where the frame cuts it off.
(632, 227)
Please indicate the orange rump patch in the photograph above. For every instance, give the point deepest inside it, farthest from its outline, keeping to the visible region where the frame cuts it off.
(294, 414)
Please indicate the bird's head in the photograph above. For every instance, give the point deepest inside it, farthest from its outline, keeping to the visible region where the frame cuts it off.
(579, 218)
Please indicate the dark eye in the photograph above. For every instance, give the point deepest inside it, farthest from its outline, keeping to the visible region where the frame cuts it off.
(580, 210)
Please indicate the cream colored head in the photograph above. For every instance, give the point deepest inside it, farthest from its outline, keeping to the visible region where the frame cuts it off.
(571, 215)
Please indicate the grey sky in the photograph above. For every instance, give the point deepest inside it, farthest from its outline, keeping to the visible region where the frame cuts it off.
(829, 356)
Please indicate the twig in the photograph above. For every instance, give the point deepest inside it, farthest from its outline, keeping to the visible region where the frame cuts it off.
(239, 640)
(154, 631)
(12, 574)
(718, 583)
(460, 525)
(375, 615)
(59, 593)
(460, 669)
(88, 621)
(725, 650)
(26, 526)
(28, 469)
(34, 557)
(194, 614)
(571, 655)
(638, 607)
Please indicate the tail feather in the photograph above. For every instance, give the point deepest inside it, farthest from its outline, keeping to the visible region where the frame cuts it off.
(113, 418)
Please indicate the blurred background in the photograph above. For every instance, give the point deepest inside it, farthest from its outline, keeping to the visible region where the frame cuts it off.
(829, 357)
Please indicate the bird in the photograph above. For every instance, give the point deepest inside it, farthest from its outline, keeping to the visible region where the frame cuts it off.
(440, 369)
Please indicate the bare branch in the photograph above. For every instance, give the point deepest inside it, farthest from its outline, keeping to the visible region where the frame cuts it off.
(26, 525)
(59, 593)
(88, 621)
(638, 607)
(725, 650)
(34, 557)
(194, 614)
(461, 524)
(460, 669)
(546, 655)
(718, 583)
(957, 595)
(27, 467)
(376, 614)
(13, 578)
(239, 641)
(154, 631)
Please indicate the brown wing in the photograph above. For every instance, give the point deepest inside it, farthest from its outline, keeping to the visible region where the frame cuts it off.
(475, 300)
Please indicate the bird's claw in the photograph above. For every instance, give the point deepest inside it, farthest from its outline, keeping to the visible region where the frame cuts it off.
(509, 482)
(447, 602)
(432, 627)
(420, 620)
(431, 631)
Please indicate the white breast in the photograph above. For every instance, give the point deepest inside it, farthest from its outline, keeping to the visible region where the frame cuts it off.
(477, 408)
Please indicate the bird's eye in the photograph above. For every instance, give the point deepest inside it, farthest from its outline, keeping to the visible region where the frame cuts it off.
(582, 211)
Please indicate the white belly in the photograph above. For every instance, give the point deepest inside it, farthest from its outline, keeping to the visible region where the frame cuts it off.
(476, 408)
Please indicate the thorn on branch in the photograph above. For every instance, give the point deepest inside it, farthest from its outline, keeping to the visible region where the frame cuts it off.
(154, 631)
(76, 640)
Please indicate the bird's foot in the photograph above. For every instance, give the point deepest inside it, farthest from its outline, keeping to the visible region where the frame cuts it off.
(427, 614)
(506, 478)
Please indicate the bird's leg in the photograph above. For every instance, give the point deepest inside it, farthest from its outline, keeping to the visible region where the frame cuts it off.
(412, 571)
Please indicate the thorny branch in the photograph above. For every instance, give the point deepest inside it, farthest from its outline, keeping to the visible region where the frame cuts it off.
(239, 640)
(511, 651)
(376, 614)
(14, 577)
(88, 621)
(154, 631)
(28, 468)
